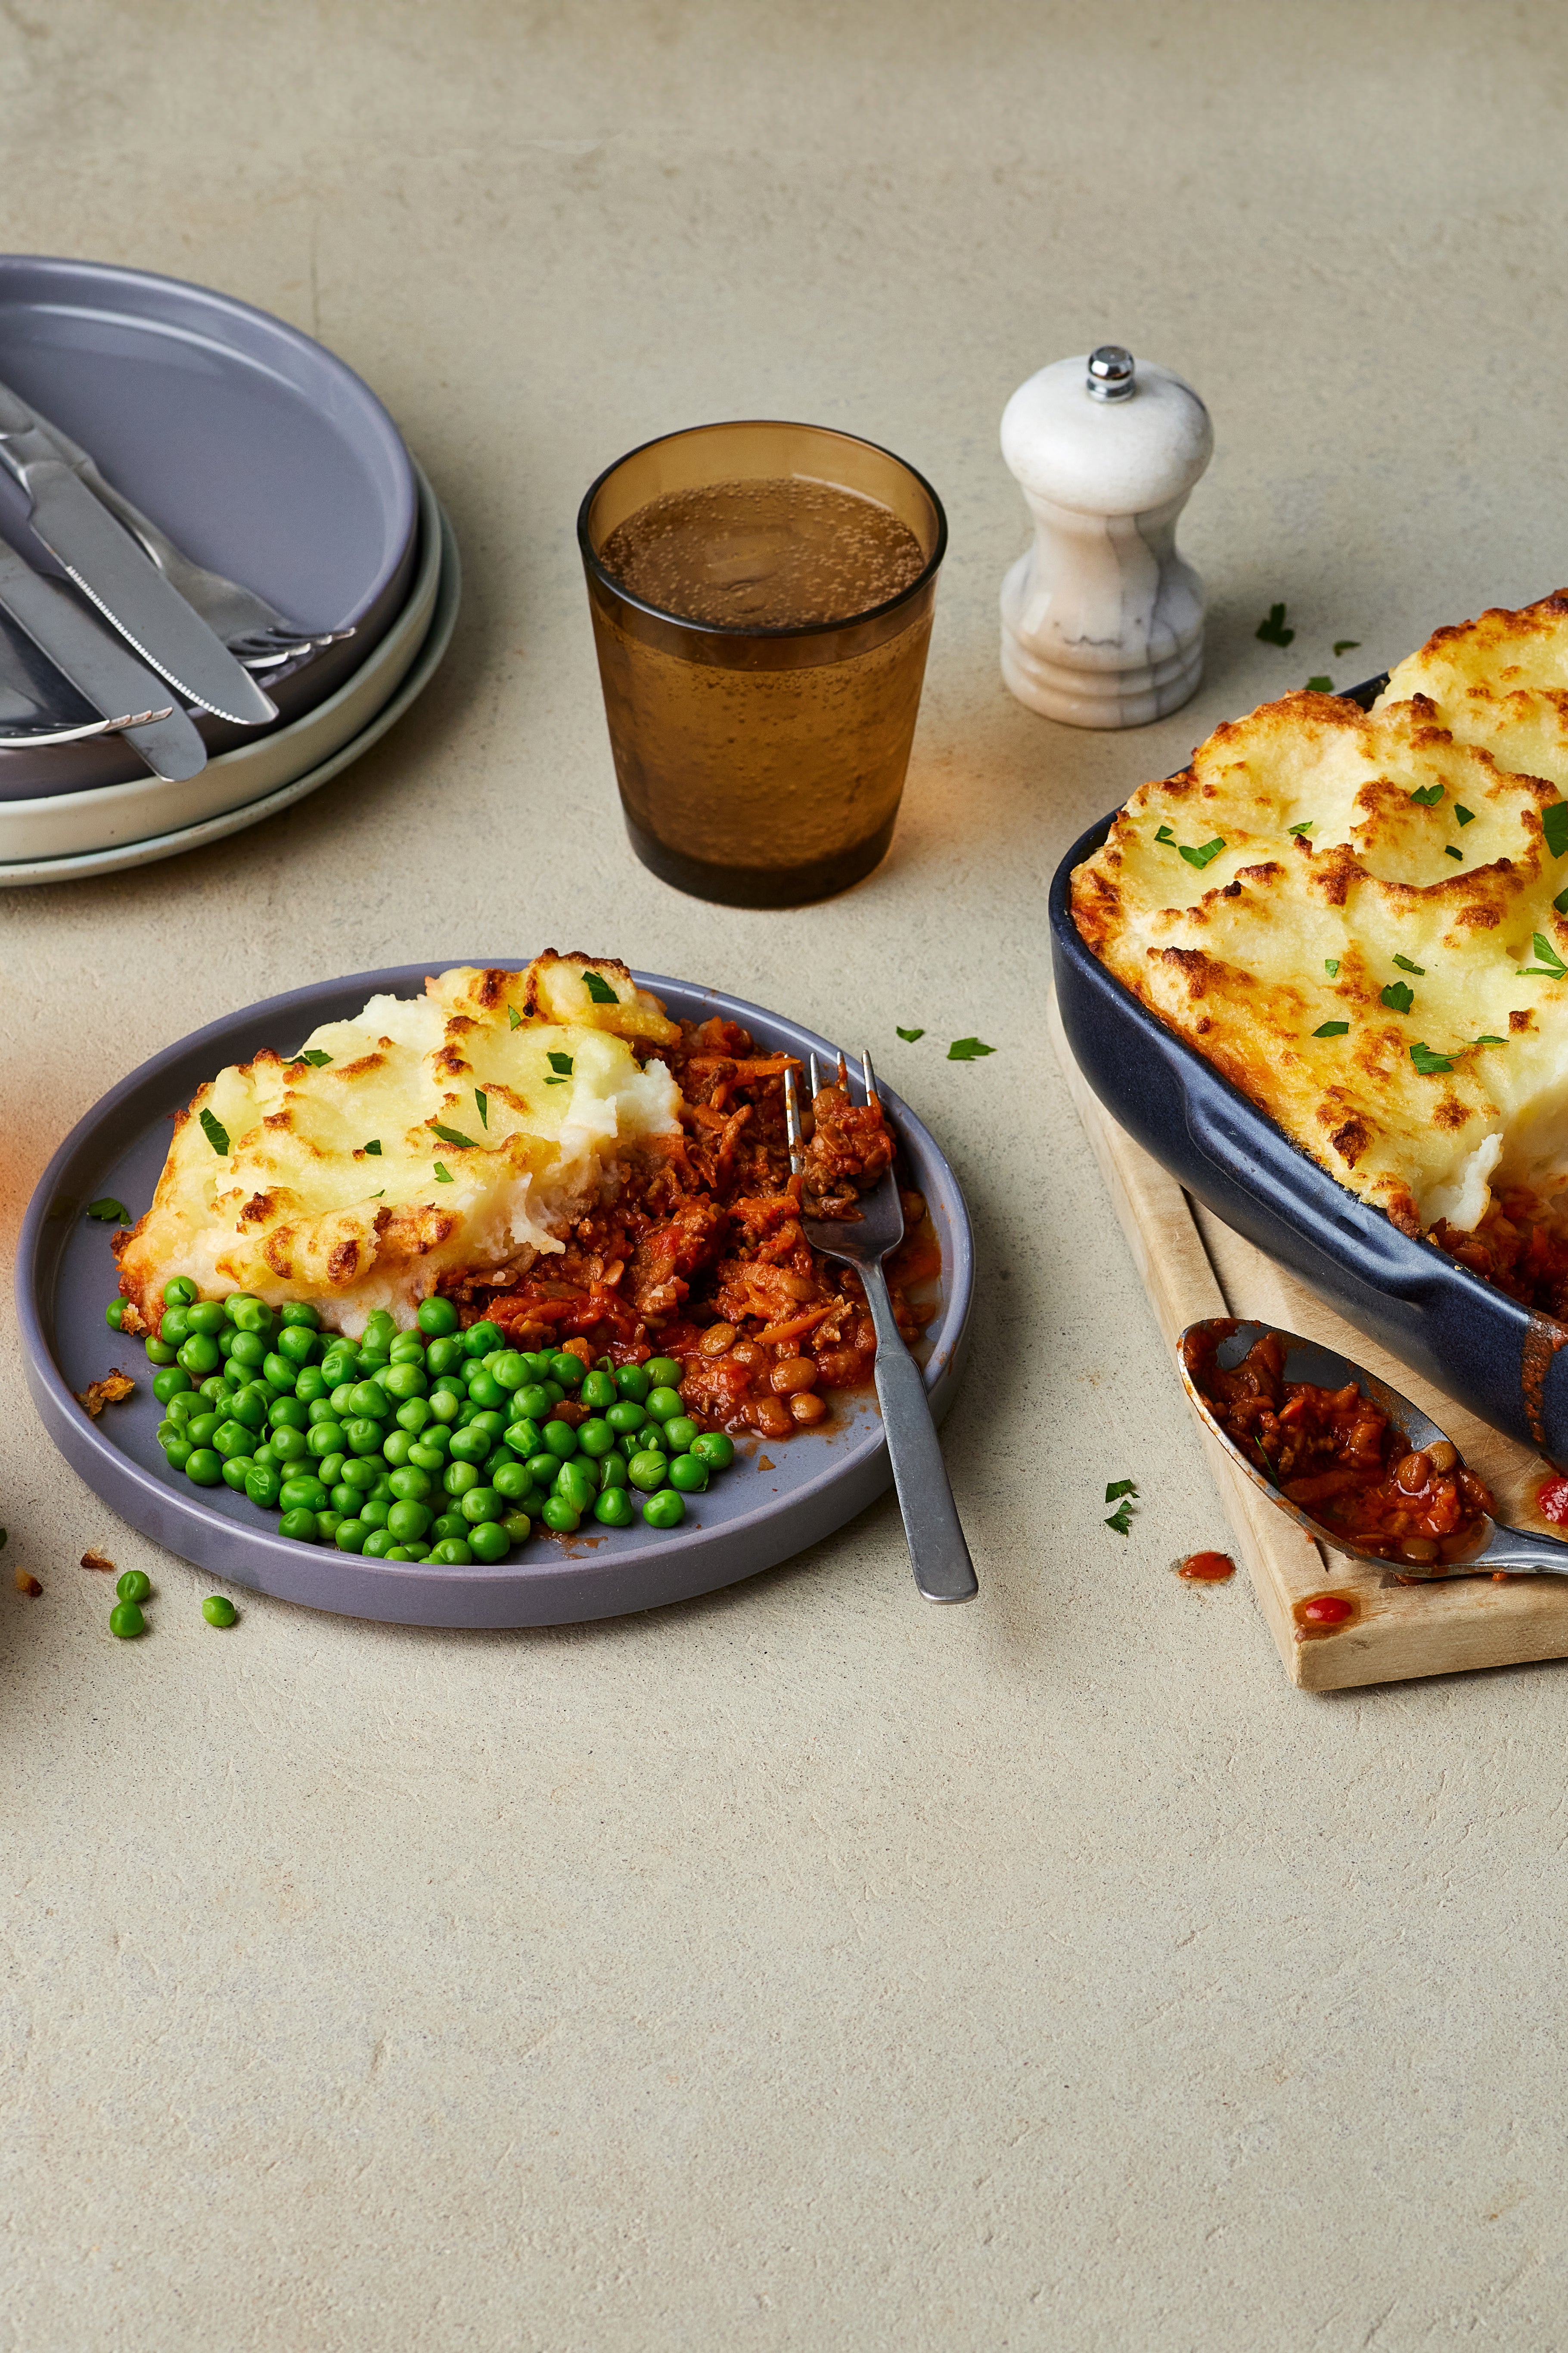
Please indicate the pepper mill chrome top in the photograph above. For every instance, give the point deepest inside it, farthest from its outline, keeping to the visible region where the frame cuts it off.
(1102, 621)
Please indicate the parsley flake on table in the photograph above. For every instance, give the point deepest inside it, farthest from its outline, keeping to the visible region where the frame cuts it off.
(109, 1211)
(1320, 686)
(1273, 631)
(374, 1147)
(515, 1017)
(1346, 645)
(908, 1035)
(1427, 795)
(1554, 826)
(1122, 1518)
(1405, 965)
(454, 1136)
(1427, 1061)
(599, 989)
(1331, 967)
(1119, 1487)
(1332, 1030)
(561, 1064)
(1304, 825)
(483, 1101)
(1551, 966)
(1205, 853)
(215, 1133)
(1398, 997)
(967, 1050)
(314, 1056)
(443, 1173)
(1464, 816)
(1125, 1490)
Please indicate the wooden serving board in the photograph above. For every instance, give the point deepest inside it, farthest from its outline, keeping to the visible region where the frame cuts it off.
(1193, 1266)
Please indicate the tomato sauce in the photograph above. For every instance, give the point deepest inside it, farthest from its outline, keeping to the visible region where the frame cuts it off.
(1325, 1613)
(1336, 1453)
(1206, 1567)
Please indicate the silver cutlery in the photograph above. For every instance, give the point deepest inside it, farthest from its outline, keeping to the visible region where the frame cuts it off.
(92, 659)
(938, 1553)
(30, 739)
(1494, 1546)
(119, 576)
(252, 629)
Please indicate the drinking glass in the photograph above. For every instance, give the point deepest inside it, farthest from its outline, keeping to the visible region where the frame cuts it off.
(760, 766)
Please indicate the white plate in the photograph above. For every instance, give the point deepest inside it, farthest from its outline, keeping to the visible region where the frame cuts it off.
(116, 859)
(107, 816)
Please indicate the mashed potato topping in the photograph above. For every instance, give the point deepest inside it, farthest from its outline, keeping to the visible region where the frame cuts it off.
(1369, 936)
(464, 1129)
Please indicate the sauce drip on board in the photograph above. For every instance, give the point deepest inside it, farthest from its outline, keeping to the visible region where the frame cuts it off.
(1336, 1453)
(1325, 1613)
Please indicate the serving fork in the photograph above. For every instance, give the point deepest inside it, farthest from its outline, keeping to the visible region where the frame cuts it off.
(938, 1553)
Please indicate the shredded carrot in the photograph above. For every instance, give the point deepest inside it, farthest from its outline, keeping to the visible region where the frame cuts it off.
(797, 1327)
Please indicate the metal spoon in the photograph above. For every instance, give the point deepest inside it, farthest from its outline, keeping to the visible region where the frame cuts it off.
(1514, 1549)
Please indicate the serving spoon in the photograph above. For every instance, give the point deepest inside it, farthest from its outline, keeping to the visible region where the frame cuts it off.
(1225, 1340)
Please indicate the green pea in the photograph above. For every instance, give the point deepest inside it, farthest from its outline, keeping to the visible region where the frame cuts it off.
(664, 1510)
(126, 1620)
(576, 1483)
(632, 1382)
(405, 1381)
(325, 1437)
(177, 1452)
(404, 1552)
(200, 1427)
(407, 1519)
(378, 1544)
(480, 1338)
(426, 1458)
(663, 1372)
(381, 1324)
(481, 1504)
(612, 1471)
(648, 1469)
(408, 1348)
(689, 1473)
(438, 1318)
(470, 1445)
(232, 1438)
(288, 1445)
(524, 1437)
(511, 1479)
(568, 1369)
(487, 1393)
(541, 1469)
(237, 1470)
(247, 1314)
(214, 1389)
(679, 1433)
(510, 1370)
(488, 1542)
(327, 1524)
(168, 1381)
(278, 1371)
(372, 1361)
(263, 1454)
(595, 1436)
(369, 1400)
(451, 1552)
(411, 1483)
(664, 1404)
(198, 1355)
(287, 1413)
(517, 1526)
(114, 1312)
(444, 1408)
(625, 1417)
(553, 1391)
(299, 1311)
(614, 1508)
(714, 1449)
(413, 1414)
(174, 1326)
(560, 1438)
(185, 1404)
(158, 1352)
(598, 1391)
(303, 1493)
(351, 1535)
(394, 1448)
(362, 1472)
(134, 1585)
(248, 1348)
(180, 1291)
(262, 1485)
(218, 1609)
(459, 1479)
(534, 1401)
(444, 1355)
(204, 1467)
(312, 1384)
(559, 1516)
(448, 1524)
(206, 1316)
(298, 1527)
(343, 1499)
(225, 1343)
(339, 1364)
(319, 1410)
(373, 1512)
(362, 1436)
(329, 1469)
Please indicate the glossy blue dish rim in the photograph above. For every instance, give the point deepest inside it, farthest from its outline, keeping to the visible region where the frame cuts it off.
(602, 1574)
(1470, 1339)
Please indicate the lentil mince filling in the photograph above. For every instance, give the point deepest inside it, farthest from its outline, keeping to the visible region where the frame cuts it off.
(701, 1254)
(1337, 1454)
(1521, 1244)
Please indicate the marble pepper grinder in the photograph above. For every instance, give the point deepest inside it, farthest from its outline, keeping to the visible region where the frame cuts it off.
(1102, 622)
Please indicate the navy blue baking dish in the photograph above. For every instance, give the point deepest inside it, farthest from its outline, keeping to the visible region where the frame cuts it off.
(1470, 1339)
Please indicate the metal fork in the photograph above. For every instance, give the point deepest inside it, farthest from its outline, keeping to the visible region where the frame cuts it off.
(249, 627)
(938, 1553)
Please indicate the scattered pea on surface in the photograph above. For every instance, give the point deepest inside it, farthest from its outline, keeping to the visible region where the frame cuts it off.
(134, 1585)
(126, 1620)
(218, 1609)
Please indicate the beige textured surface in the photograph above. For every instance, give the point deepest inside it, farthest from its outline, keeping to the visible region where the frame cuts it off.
(799, 1968)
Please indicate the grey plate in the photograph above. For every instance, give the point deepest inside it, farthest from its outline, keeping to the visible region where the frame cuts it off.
(259, 452)
(777, 1499)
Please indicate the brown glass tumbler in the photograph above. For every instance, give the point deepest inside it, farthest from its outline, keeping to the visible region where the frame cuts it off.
(761, 767)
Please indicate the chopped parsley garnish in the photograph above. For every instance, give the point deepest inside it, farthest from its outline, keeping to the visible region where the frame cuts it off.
(967, 1050)
(1121, 1492)
(561, 1064)
(443, 1175)
(1427, 795)
(1167, 837)
(515, 1017)
(1320, 686)
(1205, 853)
(1305, 826)
(1561, 902)
(1491, 1042)
(554, 1082)
(1551, 968)
(314, 1056)
(215, 1133)
(1427, 1061)
(109, 1211)
(483, 1101)
(1119, 1487)
(452, 1135)
(1464, 816)
(908, 1035)
(1331, 1029)
(1346, 645)
(374, 1147)
(1398, 996)
(1273, 631)
(1122, 1517)
(377, 1197)
(1554, 826)
(1405, 965)
(1449, 851)
(599, 989)
(1331, 967)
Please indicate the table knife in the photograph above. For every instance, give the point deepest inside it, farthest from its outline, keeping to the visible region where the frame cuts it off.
(124, 582)
(98, 666)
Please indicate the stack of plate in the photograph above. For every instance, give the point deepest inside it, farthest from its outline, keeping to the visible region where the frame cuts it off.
(264, 458)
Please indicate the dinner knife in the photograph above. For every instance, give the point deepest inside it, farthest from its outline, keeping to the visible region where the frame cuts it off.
(126, 586)
(98, 666)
